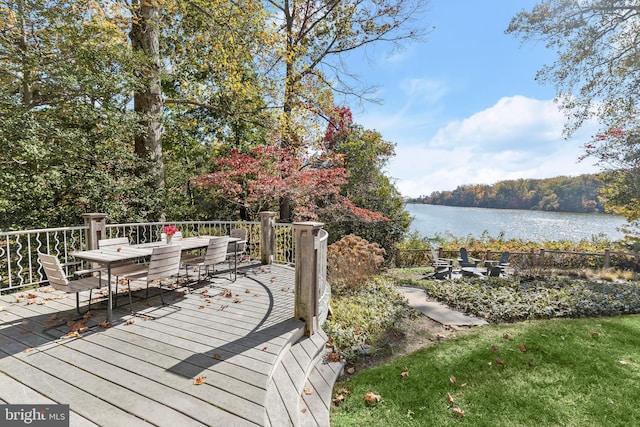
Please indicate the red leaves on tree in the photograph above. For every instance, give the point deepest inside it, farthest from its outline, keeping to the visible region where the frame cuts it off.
(254, 179)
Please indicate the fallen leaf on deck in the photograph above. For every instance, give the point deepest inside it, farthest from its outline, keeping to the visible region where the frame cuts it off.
(20, 299)
(222, 307)
(217, 356)
(199, 380)
(459, 412)
(32, 296)
(303, 410)
(333, 357)
(265, 348)
(308, 390)
(130, 322)
(71, 334)
(237, 300)
(372, 397)
(247, 291)
(201, 307)
(28, 350)
(104, 325)
(31, 302)
(52, 318)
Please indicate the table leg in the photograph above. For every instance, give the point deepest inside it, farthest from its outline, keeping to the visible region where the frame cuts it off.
(109, 312)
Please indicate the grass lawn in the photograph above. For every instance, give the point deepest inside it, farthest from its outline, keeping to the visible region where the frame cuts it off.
(559, 372)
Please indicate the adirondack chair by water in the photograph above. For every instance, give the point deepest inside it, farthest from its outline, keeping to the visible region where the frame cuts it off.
(442, 267)
(495, 270)
(468, 265)
(215, 254)
(58, 279)
(164, 264)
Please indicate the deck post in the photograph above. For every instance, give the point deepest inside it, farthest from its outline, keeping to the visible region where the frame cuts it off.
(306, 287)
(267, 236)
(95, 222)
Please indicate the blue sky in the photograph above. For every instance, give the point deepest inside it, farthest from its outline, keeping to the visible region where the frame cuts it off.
(463, 106)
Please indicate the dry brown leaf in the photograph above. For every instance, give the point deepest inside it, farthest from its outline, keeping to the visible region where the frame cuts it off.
(118, 249)
(20, 299)
(199, 380)
(522, 348)
(453, 379)
(247, 291)
(24, 322)
(104, 325)
(499, 361)
(130, 322)
(463, 385)
(222, 307)
(593, 334)
(333, 357)
(71, 334)
(338, 399)
(217, 356)
(350, 370)
(459, 412)
(450, 398)
(404, 374)
(237, 300)
(265, 348)
(32, 296)
(28, 350)
(308, 390)
(372, 397)
(494, 348)
(29, 302)
(201, 307)
(506, 336)
(303, 410)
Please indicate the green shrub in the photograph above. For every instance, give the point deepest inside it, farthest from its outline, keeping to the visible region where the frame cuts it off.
(499, 299)
(358, 321)
(351, 261)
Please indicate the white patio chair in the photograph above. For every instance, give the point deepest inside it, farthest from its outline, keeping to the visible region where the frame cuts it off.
(164, 264)
(215, 254)
(59, 281)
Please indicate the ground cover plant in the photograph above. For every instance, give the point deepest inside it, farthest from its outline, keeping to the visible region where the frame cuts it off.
(513, 298)
(569, 372)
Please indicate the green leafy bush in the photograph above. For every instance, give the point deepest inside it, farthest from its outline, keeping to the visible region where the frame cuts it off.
(499, 299)
(351, 261)
(359, 320)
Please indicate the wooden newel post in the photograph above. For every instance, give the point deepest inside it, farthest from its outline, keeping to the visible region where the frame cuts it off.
(306, 298)
(96, 231)
(267, 236)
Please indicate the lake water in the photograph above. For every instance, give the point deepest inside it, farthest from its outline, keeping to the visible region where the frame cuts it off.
(536, 226)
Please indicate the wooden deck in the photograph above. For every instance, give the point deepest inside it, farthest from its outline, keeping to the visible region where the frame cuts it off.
(238, 338)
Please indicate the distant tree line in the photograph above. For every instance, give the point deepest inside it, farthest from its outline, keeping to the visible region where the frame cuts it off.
(559, 194)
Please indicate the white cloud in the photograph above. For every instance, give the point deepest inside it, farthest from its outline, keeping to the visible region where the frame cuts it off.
(518, 137)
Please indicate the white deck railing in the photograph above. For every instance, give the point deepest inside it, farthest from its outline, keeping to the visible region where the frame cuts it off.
(19, 267)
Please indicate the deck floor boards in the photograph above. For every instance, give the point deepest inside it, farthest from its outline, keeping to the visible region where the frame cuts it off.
(141, 370)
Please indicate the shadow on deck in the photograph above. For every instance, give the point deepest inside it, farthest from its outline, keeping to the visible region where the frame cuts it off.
(222, 354)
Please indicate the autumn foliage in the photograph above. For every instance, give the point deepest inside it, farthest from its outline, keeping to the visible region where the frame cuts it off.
(257, 179)
(352, 260)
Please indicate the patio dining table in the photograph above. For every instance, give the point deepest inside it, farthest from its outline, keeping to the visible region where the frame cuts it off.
(111, 255)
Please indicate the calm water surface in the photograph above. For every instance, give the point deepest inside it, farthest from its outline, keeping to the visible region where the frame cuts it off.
(536, 226)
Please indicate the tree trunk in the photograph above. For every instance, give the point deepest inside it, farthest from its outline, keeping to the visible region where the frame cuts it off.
(148, 101)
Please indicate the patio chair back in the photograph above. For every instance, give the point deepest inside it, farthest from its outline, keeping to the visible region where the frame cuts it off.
(239, 247)
(164, 263)
(464, 259)
(216, 251)
(54, 272)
